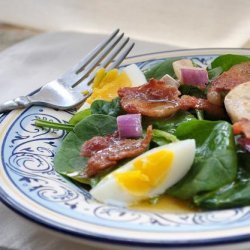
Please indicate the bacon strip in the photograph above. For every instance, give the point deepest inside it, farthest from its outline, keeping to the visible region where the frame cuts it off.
(158, 99)
(190, 102)
(236, 75)
(154, 99)
(105, 152)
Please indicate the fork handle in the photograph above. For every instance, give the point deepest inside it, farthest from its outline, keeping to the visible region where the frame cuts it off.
(17, 103)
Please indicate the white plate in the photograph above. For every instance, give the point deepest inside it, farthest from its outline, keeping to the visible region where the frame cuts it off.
(31, 187)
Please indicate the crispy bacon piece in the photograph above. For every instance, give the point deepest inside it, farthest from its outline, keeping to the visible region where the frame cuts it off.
(236, 75)
(242, 126)
(104, 152)
(158, 99)
(154, 99)
(190, 102)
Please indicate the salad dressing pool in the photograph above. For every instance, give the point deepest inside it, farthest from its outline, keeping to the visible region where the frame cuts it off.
(166, 204)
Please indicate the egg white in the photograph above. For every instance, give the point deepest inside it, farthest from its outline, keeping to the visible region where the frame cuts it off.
(109, 191)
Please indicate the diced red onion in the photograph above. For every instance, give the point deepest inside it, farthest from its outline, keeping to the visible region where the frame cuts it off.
(194, 76)
(177, 65)
(129, 126)
(245, 143)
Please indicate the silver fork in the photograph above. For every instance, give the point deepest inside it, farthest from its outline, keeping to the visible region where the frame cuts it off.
(74, 86)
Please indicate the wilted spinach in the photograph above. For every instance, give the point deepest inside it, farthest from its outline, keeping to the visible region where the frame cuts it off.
(192, 90)
(215, 163)
(78, 116)
(227, 61)
(213, 73)
(170, 124)
(235, 194)
(161, 137)
(67, 160)
(112, 108)
(161, 69)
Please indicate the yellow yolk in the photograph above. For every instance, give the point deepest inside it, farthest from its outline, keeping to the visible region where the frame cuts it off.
(106, 85)
(146, 172)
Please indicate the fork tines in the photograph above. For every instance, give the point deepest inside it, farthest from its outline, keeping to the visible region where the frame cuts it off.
(108, 54)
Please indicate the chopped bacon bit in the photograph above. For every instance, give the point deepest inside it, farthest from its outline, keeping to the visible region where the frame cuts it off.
(236, 75)
(112, 150)
(190, 102)
(158, 99)
(153, 99)
(95, 144)
(242, 126)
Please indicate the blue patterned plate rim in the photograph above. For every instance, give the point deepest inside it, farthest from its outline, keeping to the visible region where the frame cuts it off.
(18, 207)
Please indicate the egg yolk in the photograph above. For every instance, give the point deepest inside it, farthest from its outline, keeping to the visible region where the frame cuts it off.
(147, 172)
(106, 85)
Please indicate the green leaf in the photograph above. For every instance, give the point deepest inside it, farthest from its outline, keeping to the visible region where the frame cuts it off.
(161, 137)
(80, 115)
(215, 163)
(199, 114)
(112, 108)
(95, 125)
(233, 195)
(213, 73)
(161, 69)
(192, 90)
(67, 160)
(228, 60)
(170, 124)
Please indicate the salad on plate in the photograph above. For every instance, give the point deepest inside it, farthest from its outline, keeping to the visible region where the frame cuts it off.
(178, 132)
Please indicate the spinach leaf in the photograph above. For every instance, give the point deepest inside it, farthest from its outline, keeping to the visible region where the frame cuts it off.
(234, 194)
(161, 137)
(199, 114)
(161, 69)
(95, 125)
(215, 163)
(227, 61)
(213, 73)
(78, 116)
(170, 124)
(67, 160)
(112, 108)
(193, 91)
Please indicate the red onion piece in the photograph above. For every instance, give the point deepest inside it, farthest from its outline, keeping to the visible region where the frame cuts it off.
(245, 143)
(177, 65)
(194, 76)
(129, 126)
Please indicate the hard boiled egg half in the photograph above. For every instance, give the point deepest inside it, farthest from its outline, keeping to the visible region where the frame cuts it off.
(146, 176)
(106, 84)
